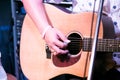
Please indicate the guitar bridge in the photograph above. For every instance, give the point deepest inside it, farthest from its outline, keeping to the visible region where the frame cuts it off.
(48, 52)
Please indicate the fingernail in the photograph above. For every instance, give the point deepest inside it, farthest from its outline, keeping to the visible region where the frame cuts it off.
(66, 42)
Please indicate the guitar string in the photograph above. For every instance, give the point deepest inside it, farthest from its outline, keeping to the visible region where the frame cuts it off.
(103, 44)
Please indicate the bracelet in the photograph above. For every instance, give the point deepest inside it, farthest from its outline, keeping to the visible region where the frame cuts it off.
(44, 32)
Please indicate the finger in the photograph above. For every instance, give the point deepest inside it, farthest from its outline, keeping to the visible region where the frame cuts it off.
(62, 37)
(60, 44)
(57, 50)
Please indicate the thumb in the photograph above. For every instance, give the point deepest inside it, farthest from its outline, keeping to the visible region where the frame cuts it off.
(62, 37)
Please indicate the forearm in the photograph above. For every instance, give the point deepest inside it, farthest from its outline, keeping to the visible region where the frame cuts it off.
(35, 9)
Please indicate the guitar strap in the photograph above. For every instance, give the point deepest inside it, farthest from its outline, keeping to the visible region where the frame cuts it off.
(108, 27)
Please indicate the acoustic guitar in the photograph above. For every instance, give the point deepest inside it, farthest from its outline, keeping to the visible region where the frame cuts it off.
(36, 59)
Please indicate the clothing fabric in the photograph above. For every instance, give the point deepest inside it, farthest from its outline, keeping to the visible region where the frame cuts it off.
(110, 7)
(114, 13)
(116, 58)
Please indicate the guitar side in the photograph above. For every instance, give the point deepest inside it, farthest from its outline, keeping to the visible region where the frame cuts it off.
(34, 63)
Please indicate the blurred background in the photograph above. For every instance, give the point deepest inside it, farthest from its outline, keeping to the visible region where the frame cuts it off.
(11, 17)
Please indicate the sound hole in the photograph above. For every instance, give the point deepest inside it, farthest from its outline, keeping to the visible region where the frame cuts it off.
(74, 46)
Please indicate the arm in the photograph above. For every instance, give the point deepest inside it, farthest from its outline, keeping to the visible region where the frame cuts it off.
(35, 10)
(53, 37)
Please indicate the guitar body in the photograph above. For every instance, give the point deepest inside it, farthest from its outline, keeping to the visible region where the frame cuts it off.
(33, 55)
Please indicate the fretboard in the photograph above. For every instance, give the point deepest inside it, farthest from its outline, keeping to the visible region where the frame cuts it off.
(103, 45)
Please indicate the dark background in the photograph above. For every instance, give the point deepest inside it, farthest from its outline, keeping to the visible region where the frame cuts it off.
(6, 36)
(11, 17)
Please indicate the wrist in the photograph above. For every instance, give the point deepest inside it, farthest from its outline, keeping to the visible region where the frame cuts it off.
(45, 30)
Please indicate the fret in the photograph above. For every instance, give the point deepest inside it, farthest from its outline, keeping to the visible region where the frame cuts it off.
(103, 45)
(117, 48)
(87, 44)
(100, 46)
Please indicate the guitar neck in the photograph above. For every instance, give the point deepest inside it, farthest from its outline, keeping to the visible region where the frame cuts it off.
(103, 45)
